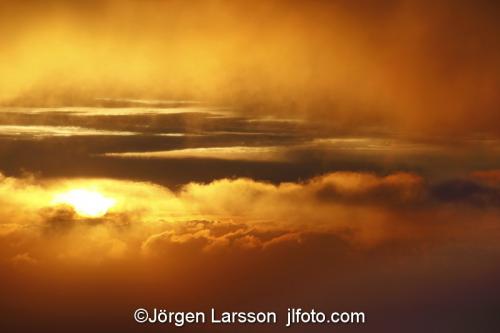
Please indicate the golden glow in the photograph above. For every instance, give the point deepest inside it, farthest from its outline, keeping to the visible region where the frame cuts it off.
(269, 153)
(86, 203)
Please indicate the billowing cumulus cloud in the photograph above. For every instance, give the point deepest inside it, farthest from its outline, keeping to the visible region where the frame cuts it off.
(344, 234)
(336, 155)
(361, 208)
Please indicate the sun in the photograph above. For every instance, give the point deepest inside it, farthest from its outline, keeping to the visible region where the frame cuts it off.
(85, 203)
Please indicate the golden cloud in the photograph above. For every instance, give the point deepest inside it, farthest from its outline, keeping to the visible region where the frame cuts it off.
(409, 65)
(147, 220)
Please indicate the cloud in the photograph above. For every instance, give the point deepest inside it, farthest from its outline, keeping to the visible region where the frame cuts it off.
(363, 209)
(224, 153)
(481, 189)
(346, 159)
(349, 234)
(487, 177)
(306, 59)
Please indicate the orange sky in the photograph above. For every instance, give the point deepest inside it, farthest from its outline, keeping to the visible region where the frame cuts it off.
(411, 66)
(341, 155)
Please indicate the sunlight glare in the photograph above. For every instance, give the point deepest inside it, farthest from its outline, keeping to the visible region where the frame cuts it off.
(86, 203)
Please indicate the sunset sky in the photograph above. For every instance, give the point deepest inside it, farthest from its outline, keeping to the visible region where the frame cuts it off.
(249, 155)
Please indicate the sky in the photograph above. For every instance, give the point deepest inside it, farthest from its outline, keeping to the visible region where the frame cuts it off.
(334, 155)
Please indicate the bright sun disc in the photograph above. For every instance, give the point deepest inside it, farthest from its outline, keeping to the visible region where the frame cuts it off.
(86, 203)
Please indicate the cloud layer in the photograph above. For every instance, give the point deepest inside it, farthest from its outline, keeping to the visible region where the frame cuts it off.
(412, 66)
(350, 235)
(361, 208)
